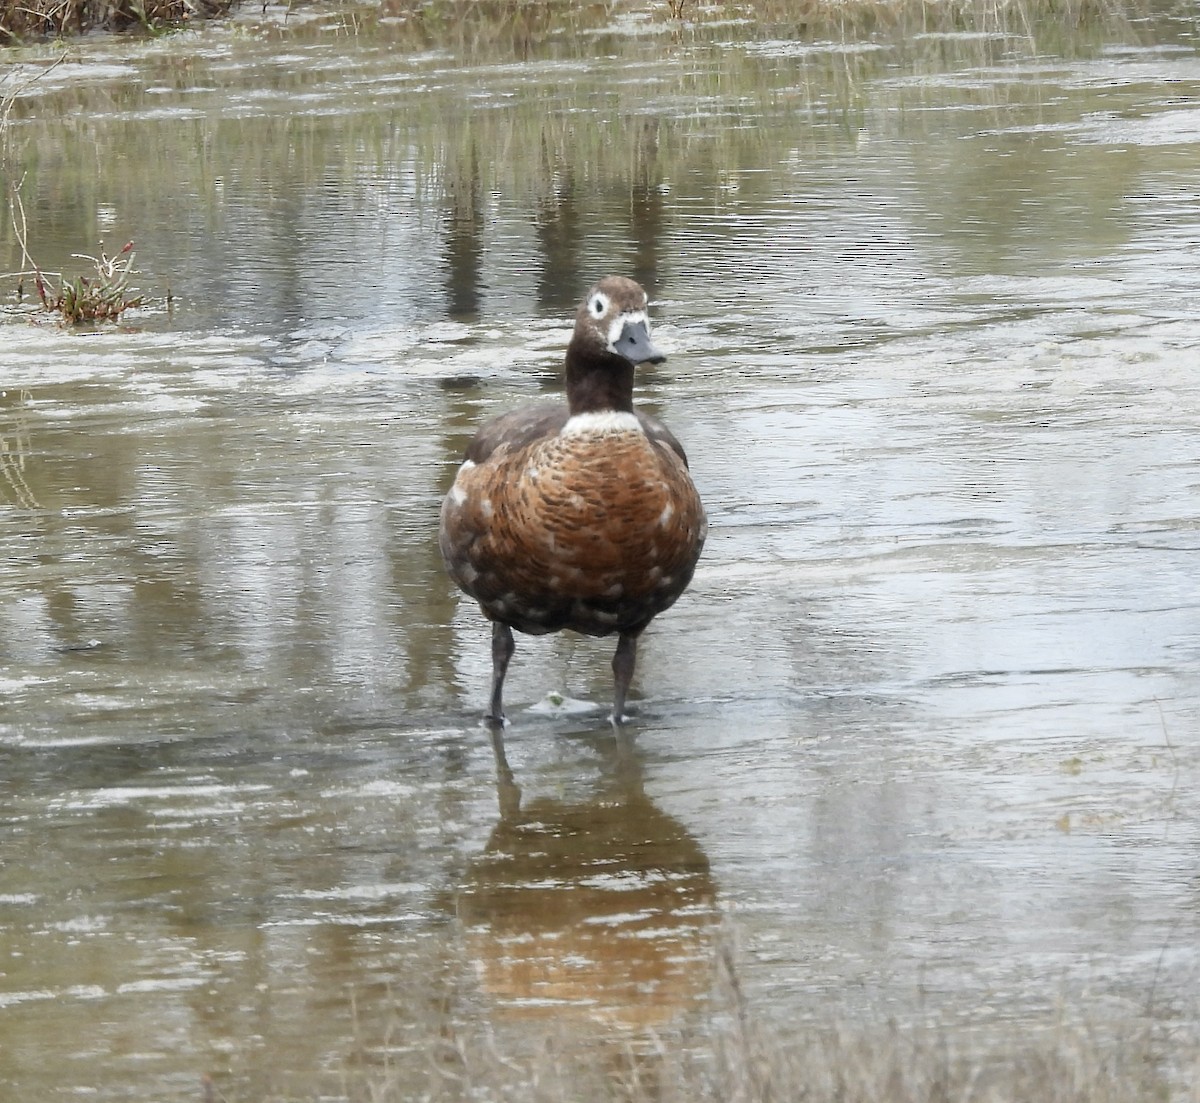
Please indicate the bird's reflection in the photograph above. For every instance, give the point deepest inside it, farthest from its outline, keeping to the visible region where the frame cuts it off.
(597, 911)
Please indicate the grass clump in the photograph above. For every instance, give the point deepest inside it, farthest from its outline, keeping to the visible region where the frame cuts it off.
(102, 296)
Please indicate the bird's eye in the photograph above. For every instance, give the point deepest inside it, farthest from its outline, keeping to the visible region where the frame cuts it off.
(598, 305)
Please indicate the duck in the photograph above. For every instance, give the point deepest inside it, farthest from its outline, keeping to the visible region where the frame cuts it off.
(579, 515)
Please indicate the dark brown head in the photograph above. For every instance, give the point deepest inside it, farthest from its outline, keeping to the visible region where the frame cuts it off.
(612, 319)
(612, 335)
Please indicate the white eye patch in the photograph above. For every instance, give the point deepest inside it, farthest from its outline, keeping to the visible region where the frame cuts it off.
(598, 304)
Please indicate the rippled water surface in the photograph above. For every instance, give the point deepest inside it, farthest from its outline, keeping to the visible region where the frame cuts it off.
(920, 742)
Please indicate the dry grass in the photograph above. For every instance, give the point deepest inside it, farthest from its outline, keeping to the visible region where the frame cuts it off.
(25, 19)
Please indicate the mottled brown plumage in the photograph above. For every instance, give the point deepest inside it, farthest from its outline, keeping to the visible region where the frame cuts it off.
(579, 516)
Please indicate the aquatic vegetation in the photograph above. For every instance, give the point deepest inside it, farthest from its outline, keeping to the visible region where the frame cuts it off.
(99, 298)
(102, 297)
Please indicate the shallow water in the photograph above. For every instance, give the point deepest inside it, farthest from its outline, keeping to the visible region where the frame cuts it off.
(919, 743)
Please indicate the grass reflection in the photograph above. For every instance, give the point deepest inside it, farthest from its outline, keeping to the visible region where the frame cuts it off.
(450, 118)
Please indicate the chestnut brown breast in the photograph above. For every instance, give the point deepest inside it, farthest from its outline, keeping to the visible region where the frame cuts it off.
(593, 524)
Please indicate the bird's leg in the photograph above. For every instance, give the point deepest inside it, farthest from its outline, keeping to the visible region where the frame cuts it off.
(623, 663)
(502, 650)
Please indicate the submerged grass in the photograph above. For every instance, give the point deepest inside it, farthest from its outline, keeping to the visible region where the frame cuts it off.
(1094, 1047)
(839, 1063)
(1068, 1056)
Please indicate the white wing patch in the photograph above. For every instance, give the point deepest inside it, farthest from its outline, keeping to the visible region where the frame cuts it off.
(457, 494)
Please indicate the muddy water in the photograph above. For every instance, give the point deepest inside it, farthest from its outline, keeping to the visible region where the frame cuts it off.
(921, 741)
